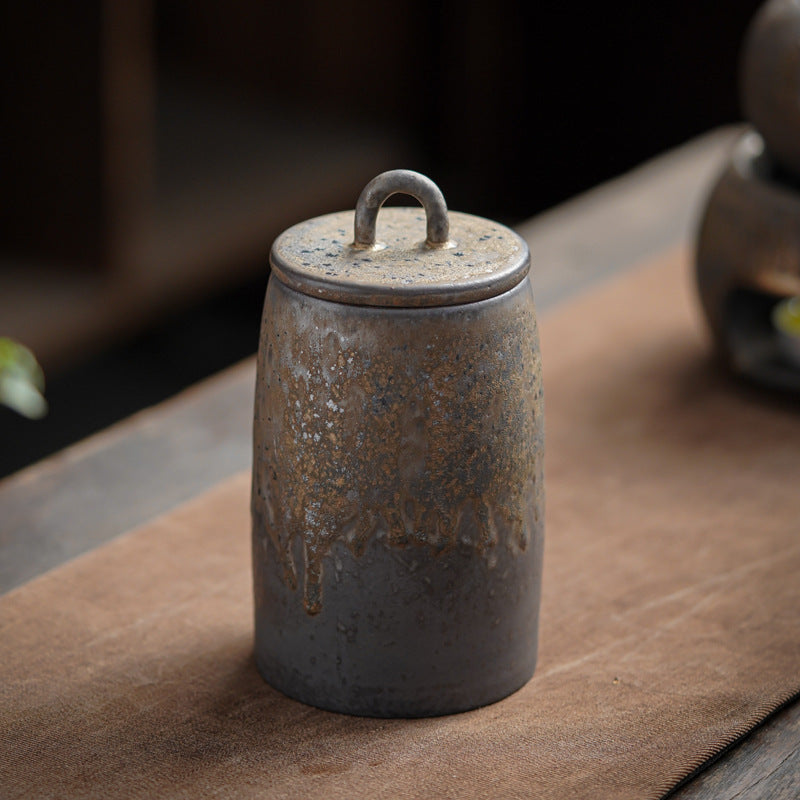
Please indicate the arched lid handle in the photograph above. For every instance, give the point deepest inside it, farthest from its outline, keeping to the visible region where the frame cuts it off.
(403, 181)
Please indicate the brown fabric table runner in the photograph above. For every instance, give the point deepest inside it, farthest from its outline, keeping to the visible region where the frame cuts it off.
(670, 618)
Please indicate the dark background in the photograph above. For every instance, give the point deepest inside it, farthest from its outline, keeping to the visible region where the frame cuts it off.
(139, 135)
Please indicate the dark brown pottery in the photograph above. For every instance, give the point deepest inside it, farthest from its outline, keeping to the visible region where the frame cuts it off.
(748, 259)
(770, 79)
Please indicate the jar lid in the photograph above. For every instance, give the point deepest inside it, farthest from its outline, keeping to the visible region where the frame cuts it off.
(462, 258)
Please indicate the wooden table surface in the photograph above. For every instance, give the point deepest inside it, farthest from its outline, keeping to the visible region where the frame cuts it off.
(93, 491)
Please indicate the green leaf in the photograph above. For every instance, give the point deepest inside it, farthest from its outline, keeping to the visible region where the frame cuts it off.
(21, 380)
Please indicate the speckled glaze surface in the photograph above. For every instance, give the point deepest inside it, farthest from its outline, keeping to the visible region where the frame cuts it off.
(397, 502)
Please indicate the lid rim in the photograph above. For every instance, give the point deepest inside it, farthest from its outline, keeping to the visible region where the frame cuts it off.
(499, 268)
(431, 296)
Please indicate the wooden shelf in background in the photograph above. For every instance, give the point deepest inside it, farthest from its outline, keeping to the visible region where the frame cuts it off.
(229, 178)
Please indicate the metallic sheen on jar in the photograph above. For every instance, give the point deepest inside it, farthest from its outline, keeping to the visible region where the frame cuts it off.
(397, 499)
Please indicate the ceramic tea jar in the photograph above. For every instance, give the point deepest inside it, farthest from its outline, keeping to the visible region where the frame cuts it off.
(397, 500)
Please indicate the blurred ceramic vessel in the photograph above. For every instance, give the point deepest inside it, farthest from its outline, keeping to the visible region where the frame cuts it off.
(748, 260)
(770, 79)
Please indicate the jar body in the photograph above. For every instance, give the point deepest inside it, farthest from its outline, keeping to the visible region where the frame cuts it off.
(397, 504)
